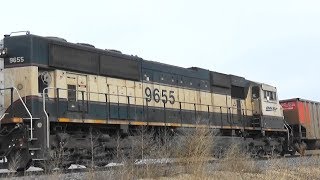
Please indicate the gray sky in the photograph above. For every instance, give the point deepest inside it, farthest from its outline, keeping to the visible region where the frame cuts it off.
(275, 42)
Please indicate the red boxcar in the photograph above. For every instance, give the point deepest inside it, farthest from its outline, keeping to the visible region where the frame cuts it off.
(304, 117)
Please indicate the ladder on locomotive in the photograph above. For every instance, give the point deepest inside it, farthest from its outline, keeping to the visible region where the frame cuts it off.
(256, 122)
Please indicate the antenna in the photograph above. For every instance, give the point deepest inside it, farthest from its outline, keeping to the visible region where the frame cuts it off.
(15, 32)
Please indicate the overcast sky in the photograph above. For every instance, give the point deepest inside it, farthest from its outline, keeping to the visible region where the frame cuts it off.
(275, 42)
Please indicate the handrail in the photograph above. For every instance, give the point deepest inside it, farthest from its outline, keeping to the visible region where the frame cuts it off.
(26, 108)
(288, 126)
(88, 94)
(2, 116)
(45, 112)
(118, 95)
(289, 130)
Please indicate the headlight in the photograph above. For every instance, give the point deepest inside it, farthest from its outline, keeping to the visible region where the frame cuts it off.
(3, 52)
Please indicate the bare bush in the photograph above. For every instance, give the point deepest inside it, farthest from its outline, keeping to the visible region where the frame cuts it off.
(146, 149)
(15, 159)
(153, 150)
(236, 160)
(195, 151)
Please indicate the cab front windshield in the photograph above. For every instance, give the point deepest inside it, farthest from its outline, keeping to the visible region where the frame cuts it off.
(255, 92)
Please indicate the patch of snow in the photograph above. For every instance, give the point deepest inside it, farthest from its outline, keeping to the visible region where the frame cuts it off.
(76, 166)
(32, 168)
(114, 164)
(154, 161)
(5, 171)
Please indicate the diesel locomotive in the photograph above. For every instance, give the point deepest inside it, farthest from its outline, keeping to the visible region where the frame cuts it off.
(53, 91)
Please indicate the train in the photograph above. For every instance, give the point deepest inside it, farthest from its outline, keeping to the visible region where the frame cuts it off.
(53, 91)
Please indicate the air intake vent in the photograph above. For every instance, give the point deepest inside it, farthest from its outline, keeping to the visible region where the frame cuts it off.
(114, 50)
(56, 38)
(86, 44)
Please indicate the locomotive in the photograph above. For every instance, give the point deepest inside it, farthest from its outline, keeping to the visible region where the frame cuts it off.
(53, 90)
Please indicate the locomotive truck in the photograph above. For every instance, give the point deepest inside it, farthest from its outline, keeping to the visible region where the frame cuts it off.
(53, 91)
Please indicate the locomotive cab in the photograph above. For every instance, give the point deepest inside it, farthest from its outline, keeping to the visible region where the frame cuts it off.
(266, 106)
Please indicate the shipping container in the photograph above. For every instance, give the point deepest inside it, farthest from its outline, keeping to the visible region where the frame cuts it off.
(303, 116)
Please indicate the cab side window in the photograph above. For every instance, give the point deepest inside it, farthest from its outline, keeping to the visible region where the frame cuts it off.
(44, 79)
(269, 95)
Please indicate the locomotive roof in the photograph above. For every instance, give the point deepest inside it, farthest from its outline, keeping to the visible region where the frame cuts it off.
(39, 52)
(86, 46)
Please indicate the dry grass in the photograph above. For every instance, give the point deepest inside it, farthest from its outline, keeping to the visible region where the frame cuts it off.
(235, 160)
(146, 148)
(195, 151)
(191, 151)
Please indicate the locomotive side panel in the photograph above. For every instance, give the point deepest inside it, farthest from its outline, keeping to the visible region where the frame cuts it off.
(93, 88)
(130, 85)
(221, 95)
(25, 79)
(248, 103)
(82, 87)
(138, 92)
(221, 104)
(60, 80)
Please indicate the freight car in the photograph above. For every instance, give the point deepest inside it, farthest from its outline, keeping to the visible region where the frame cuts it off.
(53, 91)
(304, 118)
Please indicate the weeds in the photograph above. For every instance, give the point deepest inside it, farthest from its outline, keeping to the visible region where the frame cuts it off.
(236, 160)
(149, 154)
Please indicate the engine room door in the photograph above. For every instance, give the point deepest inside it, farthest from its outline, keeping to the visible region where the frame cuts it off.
(72, 92)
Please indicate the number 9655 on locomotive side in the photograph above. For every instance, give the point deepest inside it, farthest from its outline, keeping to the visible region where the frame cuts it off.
(157, 95)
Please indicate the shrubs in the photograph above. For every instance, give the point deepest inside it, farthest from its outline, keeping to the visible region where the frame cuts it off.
(164, 155)
(235, 160)
(158, 153)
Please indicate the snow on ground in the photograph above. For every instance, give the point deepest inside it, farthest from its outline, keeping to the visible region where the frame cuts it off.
(112, 164)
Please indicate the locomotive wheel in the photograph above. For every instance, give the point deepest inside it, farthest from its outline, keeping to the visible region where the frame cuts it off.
(293, 152)
(19, 160)
(261, 153)
(47, 167)
(301, 148)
